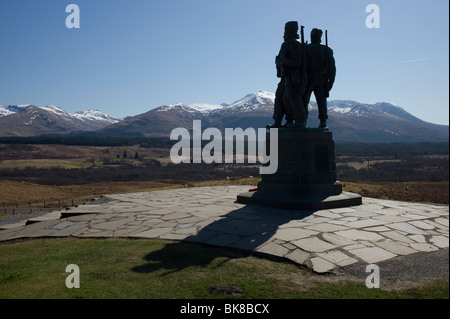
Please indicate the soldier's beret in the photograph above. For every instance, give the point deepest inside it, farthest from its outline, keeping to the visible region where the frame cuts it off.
(316, 32)
(291, 25)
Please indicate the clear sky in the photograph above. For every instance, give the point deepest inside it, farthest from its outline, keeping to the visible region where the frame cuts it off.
(130, 56)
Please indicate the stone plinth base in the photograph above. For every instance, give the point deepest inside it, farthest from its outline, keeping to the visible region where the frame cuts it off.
(306, 174)
(311, 202)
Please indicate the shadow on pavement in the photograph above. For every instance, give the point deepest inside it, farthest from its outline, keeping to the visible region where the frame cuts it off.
(243, 230)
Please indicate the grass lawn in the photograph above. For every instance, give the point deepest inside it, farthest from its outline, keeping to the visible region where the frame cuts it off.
(149, 269)
(123, 268)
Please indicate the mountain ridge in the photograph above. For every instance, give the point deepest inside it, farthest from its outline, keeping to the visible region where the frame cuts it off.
(31, 120)
(348, 120)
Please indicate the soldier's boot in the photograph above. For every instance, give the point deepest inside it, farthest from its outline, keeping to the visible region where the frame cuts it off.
(289, 124)
(323, 124)
(277, 124)
(300, 124)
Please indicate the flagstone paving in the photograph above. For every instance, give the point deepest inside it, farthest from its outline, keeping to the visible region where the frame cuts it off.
(323, 240)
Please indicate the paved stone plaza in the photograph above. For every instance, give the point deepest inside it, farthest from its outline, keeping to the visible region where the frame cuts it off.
(323, 240)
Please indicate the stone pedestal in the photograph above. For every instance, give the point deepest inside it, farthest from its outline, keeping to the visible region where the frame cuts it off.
(306, 175)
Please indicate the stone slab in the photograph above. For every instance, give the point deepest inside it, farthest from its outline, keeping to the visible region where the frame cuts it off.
(372, 254)
(298, 256)
(425, 247)
(153, 233)
(354, 234)
(407, 228)
(338, 240)
(337, 257)
(290, 234)
(291, 202)
(326, 228)
(440, 241)
(273, 249)
(313, 244)
(395, 248)
(320, 265)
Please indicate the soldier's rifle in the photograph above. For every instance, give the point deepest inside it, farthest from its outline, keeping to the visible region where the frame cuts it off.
(302, 34)
(326, 60)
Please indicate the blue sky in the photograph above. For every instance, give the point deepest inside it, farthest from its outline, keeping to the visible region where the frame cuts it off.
(130, 56)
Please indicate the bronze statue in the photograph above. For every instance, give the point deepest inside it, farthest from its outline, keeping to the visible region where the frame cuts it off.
(321, 73)
(291, 69)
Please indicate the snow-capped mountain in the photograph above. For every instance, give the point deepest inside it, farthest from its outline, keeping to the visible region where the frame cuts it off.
(248, 103)
(348, 120)
(30, 120)
(96, 115)
(343, 107)
(11, 109)
(252, 102)
(205, 108)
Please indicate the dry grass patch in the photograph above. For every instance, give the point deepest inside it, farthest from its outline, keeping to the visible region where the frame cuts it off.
(425, 192)
(22, 193)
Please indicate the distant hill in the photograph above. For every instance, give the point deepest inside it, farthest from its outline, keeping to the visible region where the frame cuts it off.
(31, 120)
(348, 120)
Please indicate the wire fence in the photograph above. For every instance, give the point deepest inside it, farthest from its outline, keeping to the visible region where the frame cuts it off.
(30, 207)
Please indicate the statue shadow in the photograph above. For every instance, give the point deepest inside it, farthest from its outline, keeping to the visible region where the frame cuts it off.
(236, 234)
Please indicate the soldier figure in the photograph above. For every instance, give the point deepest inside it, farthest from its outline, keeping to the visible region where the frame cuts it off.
(321, 74)
(291, 68)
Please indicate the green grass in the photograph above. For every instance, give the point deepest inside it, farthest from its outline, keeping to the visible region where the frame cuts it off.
(123, 268)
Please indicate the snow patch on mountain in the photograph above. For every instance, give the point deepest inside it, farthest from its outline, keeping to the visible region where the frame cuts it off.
(95, 115)
(177, 107)
(12, 109)
(343, 110)
(253, 101)
(204, 107)
(30, 115)
(4, 111)
(344, 106)
(248, 103)
(54, 109)
(35, 116)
